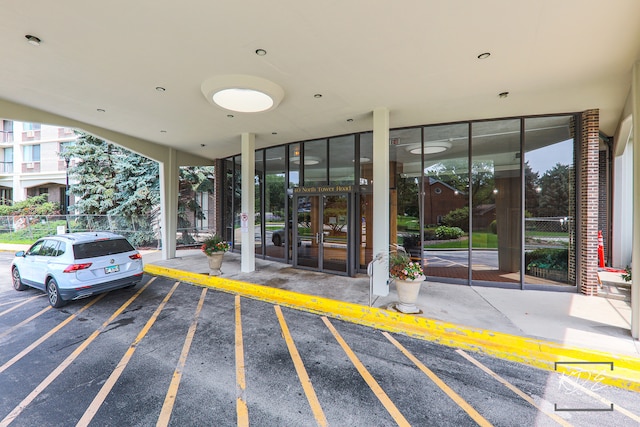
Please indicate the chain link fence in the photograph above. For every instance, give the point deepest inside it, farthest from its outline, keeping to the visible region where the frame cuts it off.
(142, 232)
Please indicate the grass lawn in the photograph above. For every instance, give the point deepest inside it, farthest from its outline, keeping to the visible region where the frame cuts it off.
(481, 240)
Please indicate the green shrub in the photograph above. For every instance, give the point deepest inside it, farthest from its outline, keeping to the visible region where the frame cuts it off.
(493, 227)
(448, 233)
(551, 259)
(457, 218)
(626, 276)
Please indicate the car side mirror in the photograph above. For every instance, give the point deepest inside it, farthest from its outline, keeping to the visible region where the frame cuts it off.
(20, 253)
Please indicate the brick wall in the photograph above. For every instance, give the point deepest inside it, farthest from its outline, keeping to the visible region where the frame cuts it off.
(589, 202)
(603, 193)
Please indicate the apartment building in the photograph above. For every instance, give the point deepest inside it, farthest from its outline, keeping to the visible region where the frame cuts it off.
(30, 161)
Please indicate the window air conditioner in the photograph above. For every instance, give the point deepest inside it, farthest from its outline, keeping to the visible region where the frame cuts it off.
(30, 134)
(29, 165)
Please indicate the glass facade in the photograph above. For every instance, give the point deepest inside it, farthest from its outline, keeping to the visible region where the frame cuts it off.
(476, 202)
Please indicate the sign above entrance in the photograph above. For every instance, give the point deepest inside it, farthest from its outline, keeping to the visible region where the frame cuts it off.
(324, 189)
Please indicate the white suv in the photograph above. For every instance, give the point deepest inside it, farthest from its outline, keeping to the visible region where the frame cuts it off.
(77, 265)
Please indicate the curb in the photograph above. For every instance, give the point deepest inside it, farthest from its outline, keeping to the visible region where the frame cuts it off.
(542, 354)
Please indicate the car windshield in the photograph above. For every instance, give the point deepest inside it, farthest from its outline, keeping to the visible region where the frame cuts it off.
(101, 248)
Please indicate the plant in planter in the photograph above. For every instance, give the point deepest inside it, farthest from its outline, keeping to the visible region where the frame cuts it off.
(214, 248)
(408, 276)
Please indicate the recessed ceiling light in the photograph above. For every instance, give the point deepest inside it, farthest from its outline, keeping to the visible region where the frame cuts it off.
(163, 131)
(33, 40)
(242, 93)
(261, 52)
(203, 145)
(274, 133)
(160, 89)
(503, 94)
(100, 110)
(484, 55)
(317, 95)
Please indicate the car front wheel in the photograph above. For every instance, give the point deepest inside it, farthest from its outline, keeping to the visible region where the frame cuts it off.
(17, 280)
(54, 294)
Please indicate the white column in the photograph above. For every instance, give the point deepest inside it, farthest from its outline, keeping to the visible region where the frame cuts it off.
(635, 257)
(247, 219)
(381, 198)
(169, 177)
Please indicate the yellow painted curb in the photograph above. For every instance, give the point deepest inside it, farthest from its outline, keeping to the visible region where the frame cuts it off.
(534, 352)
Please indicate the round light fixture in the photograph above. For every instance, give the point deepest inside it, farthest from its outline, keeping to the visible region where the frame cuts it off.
(430, 147)
(243, 100)
(308, 160)
(242, 93)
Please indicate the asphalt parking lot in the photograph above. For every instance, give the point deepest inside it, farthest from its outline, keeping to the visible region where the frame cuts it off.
(170, 353)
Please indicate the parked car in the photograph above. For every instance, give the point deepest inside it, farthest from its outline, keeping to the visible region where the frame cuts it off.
(277, 237)
(77, 265)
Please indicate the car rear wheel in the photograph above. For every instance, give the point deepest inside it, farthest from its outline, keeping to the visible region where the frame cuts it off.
(277, 240)
(54, 294)
(17, 280)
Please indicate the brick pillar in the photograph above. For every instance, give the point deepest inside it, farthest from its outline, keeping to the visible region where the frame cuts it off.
(589, 202)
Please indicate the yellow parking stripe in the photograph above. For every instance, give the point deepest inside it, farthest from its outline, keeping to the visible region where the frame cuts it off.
(300, 369)
(113, 378)
(20, 305)
(68, 361)
(513, 388)
(479, 419)
(24, 322)
(242, 410)
(172, 392)
(48, 335)
(375, 387)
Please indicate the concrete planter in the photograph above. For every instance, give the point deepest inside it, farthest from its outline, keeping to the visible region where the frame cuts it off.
(408, 291)
(215, 262)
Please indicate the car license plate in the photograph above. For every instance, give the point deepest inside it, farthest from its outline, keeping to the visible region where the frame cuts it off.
(111, 269)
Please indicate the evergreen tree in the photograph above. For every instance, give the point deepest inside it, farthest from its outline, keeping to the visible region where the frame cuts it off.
(95, 186)
(554, 197)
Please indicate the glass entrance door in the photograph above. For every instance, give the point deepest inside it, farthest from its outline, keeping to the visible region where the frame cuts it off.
(322, 232)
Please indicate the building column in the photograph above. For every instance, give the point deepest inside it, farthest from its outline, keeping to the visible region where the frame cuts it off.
(247, 217)
(169, 177)
(381, 217)
(635, 257)
(589, 202)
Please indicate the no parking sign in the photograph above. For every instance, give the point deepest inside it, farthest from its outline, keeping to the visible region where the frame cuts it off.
(244, 222)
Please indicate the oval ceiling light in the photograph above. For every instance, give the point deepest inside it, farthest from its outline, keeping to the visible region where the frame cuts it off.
(430, 147)
(242, 93)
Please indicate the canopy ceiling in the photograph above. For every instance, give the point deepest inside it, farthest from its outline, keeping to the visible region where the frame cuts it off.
(417, 58)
